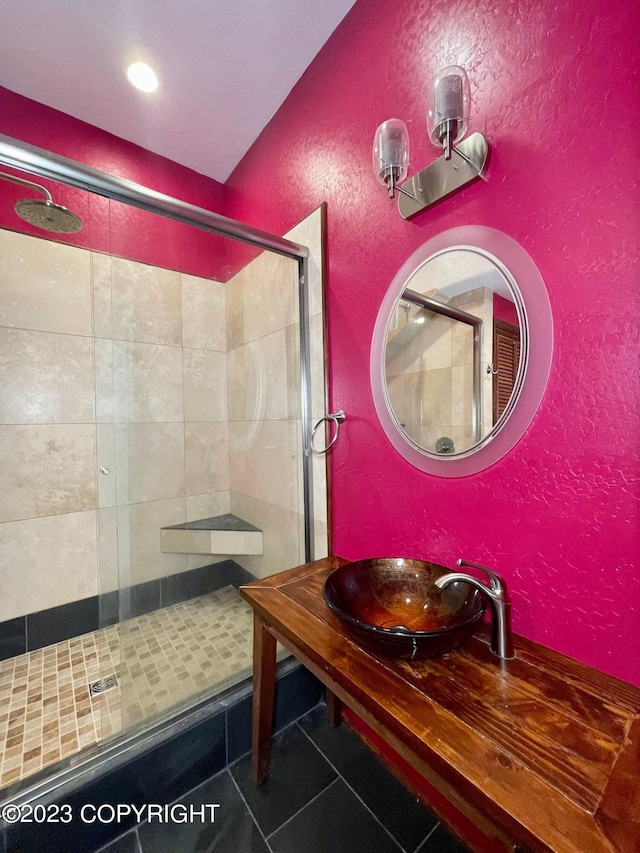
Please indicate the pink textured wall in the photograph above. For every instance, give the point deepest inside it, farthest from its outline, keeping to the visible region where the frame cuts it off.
(504, 309)
(108, 226)
(555, 89)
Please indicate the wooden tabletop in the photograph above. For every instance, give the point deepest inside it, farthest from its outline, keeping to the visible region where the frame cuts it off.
(541, 746)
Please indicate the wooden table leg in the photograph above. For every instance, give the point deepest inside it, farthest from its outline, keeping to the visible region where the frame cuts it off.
(334, 707)
(264, 683)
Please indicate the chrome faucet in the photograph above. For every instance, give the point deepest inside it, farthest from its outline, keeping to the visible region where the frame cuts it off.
(498, 595)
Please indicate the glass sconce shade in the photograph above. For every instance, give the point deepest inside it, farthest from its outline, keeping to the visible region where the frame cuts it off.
(448, 111)
(391, 153)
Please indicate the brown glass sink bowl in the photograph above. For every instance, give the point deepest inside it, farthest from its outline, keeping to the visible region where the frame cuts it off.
(394, 608)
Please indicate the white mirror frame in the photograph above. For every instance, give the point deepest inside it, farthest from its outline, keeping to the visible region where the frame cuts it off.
(537, 326)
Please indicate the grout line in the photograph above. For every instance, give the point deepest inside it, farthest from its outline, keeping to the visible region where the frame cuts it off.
(302, 808)
(184, 795)
(49, 332)
(355, 793)
(134, 830)
(280, 731)
(427, 837)
(227, 763)
(283, 728)
(250, 812)
(420, 844)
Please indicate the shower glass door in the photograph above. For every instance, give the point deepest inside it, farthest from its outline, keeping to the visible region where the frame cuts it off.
(154, 412)
(200, 453)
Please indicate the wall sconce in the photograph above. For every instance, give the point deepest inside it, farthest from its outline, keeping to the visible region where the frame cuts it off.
(447, 120)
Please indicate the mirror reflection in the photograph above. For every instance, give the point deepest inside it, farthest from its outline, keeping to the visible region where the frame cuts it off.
(452, 351)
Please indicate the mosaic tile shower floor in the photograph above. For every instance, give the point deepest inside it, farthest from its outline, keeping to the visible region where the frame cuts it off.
(160, 660)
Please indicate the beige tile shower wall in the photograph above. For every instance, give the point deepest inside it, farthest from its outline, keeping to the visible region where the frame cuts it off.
(46, 286)
(48, 542)
(261, 369)
(264, 405)
(47, 561)
(103, 362)
(161, 388)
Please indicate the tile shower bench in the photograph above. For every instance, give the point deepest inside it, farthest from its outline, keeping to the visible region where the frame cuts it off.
(541, 753)
(220, 534)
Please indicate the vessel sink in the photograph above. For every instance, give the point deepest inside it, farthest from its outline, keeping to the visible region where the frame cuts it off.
(393, 606)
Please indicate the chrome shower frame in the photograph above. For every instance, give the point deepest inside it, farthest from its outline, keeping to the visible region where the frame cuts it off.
(37, 161)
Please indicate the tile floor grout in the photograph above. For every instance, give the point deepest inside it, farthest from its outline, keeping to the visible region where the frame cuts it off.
(427, 836)
(108, 846)
(253, 817)
(390, 834)
(302, 808)
(227, 769)
(248, 808)
(226, 777)
(339, 777)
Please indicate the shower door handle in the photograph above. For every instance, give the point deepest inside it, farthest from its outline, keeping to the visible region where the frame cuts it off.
(337, 418)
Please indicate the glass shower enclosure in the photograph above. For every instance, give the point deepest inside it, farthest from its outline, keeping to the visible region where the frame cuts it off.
(155, 418)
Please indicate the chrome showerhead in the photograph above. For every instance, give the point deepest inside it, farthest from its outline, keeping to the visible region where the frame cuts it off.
(44, 213)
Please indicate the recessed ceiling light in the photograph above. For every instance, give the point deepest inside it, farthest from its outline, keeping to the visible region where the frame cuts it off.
(143, 77)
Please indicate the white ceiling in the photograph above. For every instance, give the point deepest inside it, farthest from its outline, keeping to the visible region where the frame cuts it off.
(225, 66)
(456, 272)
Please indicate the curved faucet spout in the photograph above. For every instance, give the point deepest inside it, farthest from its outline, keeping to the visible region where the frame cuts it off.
(497, 593)
(498, 583)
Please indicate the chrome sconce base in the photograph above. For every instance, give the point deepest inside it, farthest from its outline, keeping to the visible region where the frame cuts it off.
(438, 180)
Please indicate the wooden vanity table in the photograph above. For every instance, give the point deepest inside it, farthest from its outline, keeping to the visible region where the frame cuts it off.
(542, 753)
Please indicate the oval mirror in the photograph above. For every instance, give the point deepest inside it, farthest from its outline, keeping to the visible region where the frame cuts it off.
(461, 351)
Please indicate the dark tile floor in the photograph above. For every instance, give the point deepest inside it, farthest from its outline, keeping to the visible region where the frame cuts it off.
(326, 793)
